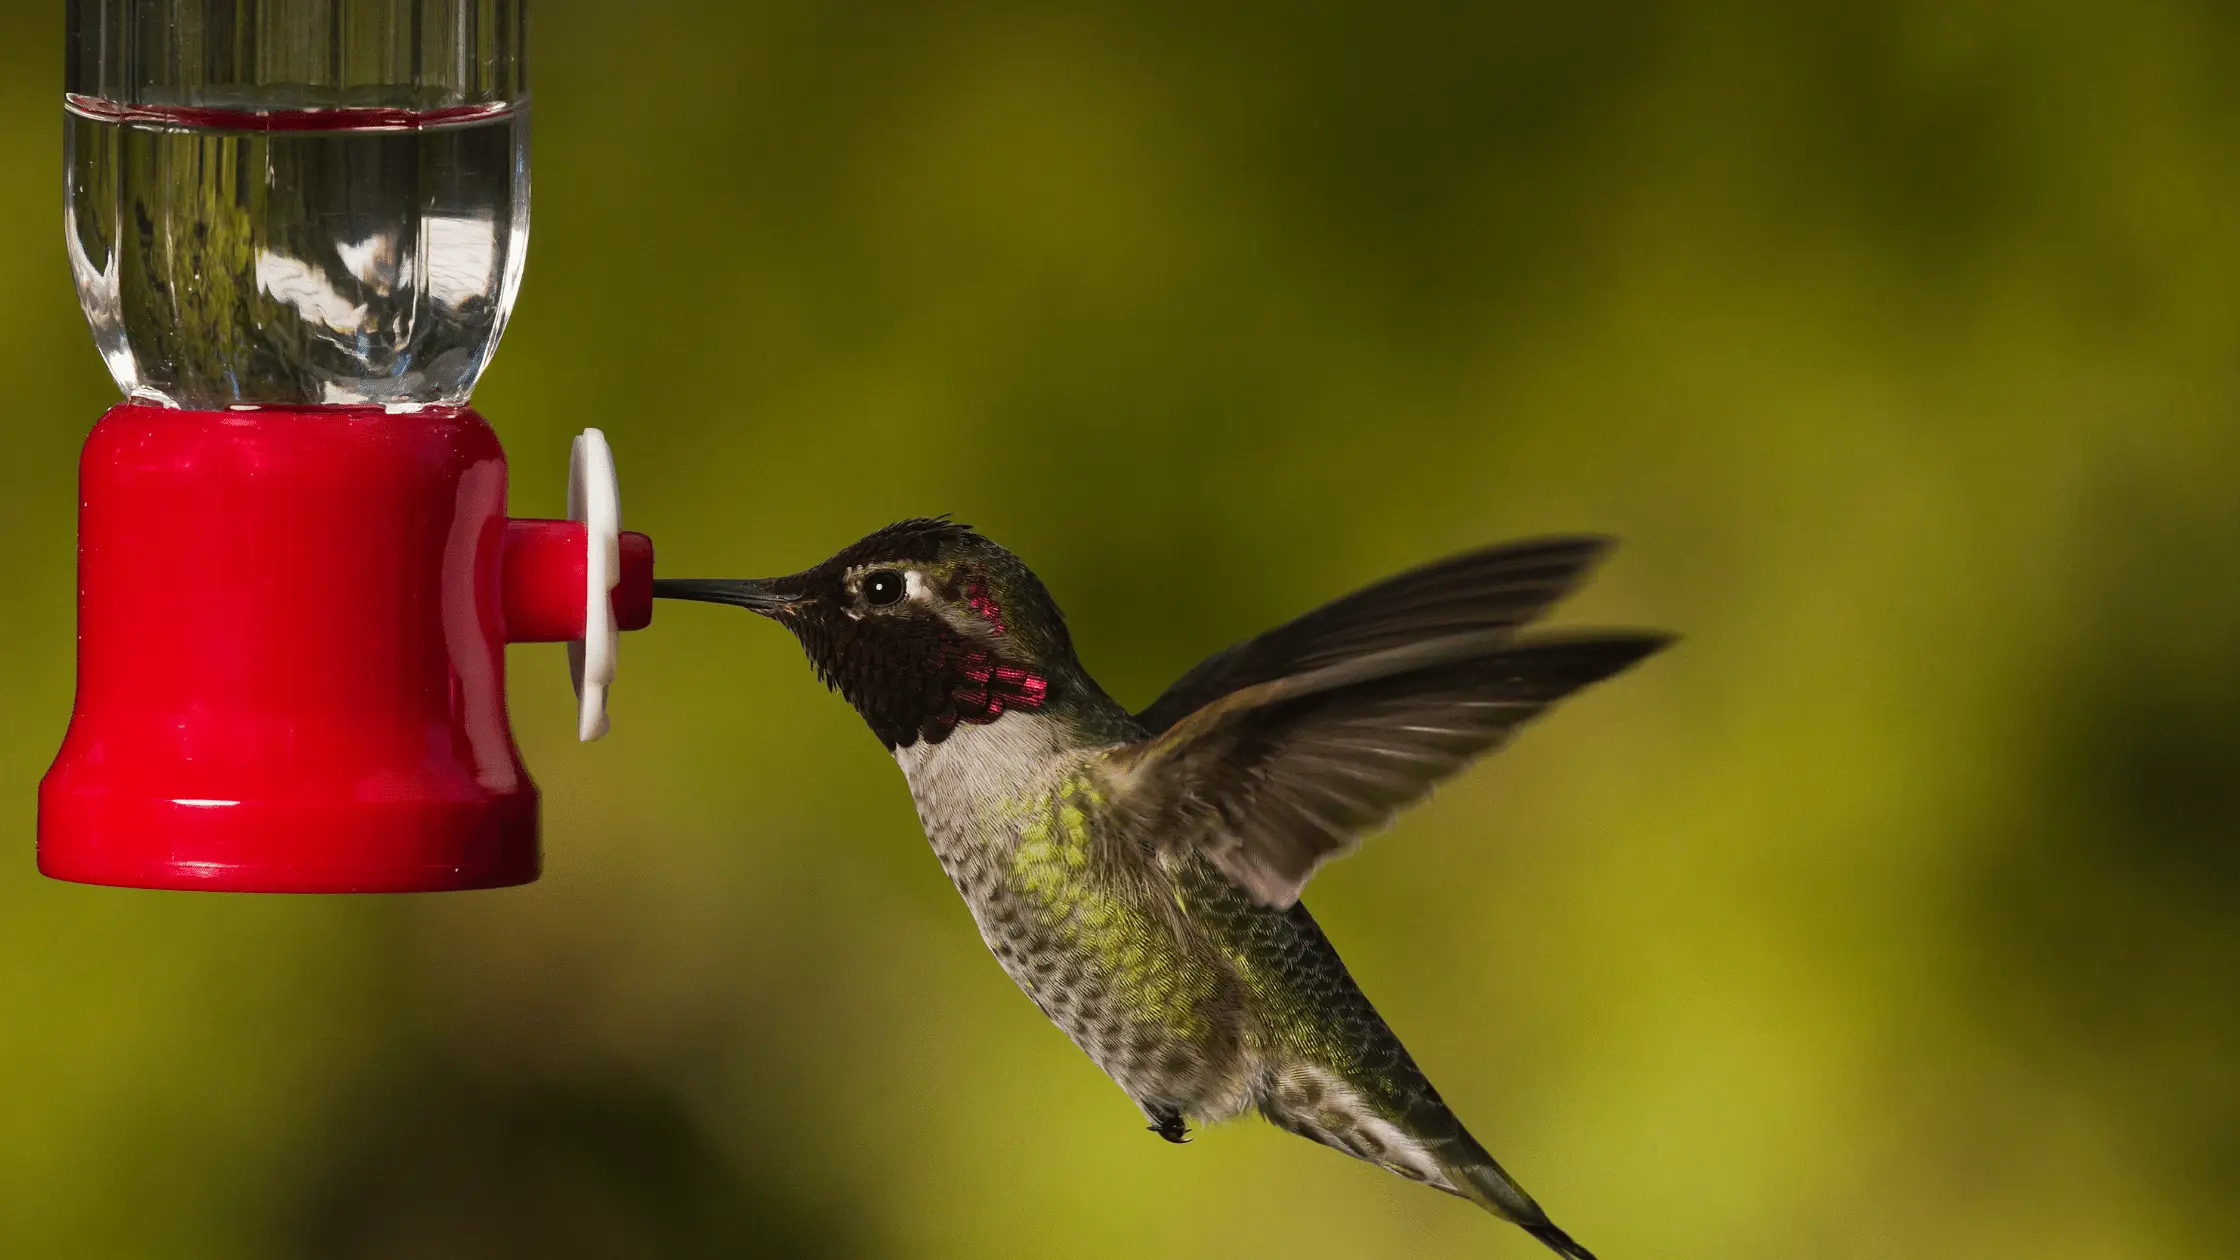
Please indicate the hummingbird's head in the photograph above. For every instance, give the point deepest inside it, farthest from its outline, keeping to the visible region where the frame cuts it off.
(921, 626)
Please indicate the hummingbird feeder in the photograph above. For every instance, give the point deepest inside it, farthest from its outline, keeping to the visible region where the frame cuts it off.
(297, 229)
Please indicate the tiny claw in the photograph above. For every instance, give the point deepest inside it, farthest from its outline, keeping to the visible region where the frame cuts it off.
(1172, 1127)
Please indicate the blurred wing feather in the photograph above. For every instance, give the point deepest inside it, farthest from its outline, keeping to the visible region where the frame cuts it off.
(1273, 779)
(1489, 591)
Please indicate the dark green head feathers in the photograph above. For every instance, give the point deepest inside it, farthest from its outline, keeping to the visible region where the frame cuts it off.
(922, 626)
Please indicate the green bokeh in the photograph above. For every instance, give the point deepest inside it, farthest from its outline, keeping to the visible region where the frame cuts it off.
(1895, 914)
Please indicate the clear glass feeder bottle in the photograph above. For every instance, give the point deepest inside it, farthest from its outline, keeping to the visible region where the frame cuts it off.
(297, 203)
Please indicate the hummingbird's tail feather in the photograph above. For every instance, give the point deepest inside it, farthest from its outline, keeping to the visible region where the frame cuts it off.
(1483, 1182)
(1410, 1132)
(1472, 1173)
(1558, 1241)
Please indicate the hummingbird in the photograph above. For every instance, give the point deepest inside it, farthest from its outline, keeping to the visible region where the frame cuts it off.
(1138, 874)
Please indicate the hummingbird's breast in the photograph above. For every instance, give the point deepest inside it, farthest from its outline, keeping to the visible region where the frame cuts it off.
(1081, 917)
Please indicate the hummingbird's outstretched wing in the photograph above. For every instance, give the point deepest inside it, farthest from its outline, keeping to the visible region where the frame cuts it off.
(1491, 589)
(1273, 779)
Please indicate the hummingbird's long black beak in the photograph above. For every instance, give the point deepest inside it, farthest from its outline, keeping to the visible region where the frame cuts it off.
(752, 594)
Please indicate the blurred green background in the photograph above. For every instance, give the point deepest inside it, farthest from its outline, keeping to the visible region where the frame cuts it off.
(1896, 914)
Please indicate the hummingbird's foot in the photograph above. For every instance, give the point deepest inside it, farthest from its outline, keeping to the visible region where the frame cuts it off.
(1170, 1126)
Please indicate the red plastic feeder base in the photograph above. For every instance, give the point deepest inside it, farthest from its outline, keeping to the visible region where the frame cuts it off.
(291, 657)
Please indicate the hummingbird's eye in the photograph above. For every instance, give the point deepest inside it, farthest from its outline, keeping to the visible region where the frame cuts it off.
(882, 587)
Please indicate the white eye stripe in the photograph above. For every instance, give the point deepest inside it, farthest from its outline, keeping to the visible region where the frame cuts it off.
(915, 585)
